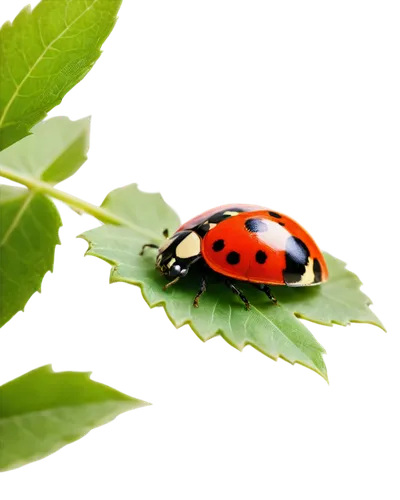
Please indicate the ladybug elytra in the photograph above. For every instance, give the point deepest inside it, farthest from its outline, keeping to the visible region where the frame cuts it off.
(246, 243)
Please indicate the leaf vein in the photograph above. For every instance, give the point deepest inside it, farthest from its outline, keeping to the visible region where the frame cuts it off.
(16, 219)
(41, 56)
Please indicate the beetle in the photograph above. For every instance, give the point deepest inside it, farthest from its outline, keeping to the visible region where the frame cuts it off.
(246, 243)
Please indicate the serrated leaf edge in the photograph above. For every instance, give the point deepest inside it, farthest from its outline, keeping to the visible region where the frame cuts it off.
(162, 303)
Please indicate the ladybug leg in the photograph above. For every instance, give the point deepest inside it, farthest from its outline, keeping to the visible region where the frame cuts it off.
(267, 290)
(147, 245)
(203, 287)
(152, 245)
(236, 291)
(165, 287)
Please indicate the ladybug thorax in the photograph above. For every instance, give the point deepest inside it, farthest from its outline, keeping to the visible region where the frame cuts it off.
(178, 253)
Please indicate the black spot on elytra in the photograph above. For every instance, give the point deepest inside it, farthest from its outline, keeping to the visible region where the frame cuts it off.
(256, 225)
(233, 258)
(218, 245)
(317, 271)
(261, 257)
(297, 255)
(281, 223)
(276, 215)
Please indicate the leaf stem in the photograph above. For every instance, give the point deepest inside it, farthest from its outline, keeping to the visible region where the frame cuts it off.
(76, 203)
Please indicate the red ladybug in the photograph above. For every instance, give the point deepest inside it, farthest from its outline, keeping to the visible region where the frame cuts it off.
(246, 243)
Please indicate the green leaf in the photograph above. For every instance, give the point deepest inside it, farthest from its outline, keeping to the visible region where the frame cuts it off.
(29, 225)
(12, 133)
(43, 54)
(273, 330)
(43, 411)
(338, 301)
(55, 151)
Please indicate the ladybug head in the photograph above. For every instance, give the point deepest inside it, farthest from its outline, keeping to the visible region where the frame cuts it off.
(178, 253)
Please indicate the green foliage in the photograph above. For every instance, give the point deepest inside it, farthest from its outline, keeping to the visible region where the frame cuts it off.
(42, 411)
(55, 150)
(43, 54)
(29, 225)
(273, 330)
(29, 221)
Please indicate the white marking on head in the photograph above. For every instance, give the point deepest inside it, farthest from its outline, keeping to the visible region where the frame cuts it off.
(189, 246)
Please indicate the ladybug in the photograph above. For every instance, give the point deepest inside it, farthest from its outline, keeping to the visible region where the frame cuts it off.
(246, 243)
